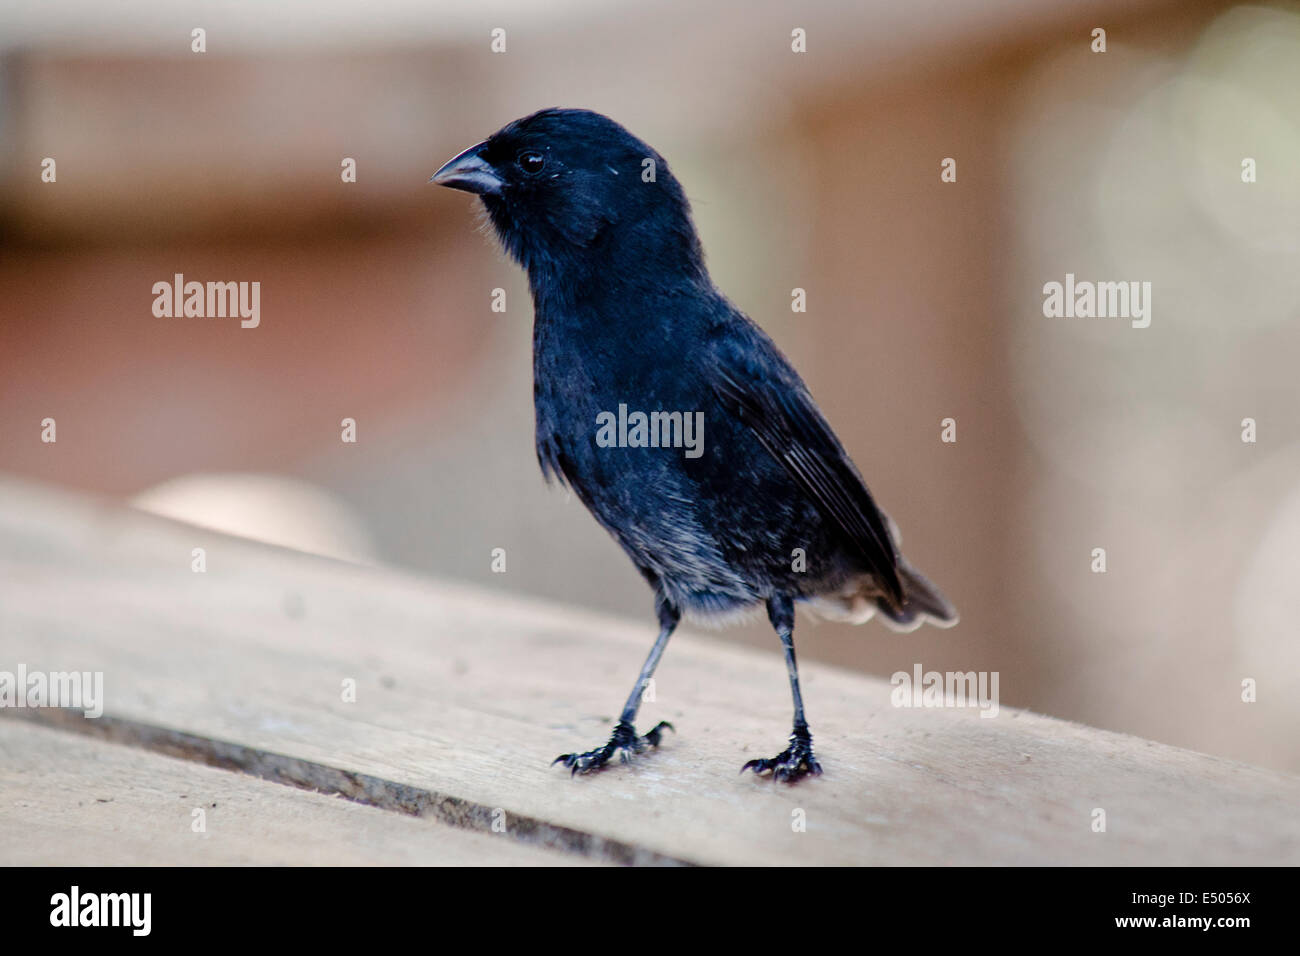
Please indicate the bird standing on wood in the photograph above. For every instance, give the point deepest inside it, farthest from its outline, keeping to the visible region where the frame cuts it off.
(758, 503)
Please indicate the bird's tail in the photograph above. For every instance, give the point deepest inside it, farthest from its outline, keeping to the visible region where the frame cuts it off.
(859, 601)
(922, 602)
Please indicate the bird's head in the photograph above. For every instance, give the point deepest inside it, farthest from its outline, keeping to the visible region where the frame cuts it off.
(571, 189)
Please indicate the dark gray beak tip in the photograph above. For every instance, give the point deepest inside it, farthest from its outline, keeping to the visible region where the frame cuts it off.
(468, 171)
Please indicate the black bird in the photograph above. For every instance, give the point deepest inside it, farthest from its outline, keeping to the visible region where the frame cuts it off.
(767, 508)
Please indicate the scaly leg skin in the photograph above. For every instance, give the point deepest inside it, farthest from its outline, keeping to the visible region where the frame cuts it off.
(792, 763)
(797, 760)
(624, 741)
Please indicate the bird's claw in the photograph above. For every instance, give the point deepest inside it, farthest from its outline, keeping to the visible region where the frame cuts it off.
(791, 764)
(624, 741)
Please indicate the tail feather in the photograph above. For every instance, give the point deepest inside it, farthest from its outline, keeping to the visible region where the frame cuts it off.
(859, 601)
(922, 602)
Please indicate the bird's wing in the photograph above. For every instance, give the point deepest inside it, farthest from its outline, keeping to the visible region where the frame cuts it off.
(755, 382)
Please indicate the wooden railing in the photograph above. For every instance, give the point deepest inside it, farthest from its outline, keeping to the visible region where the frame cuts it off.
(462, 698)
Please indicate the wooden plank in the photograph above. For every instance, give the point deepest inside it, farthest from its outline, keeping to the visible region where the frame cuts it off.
(71, 801)
(467, 695)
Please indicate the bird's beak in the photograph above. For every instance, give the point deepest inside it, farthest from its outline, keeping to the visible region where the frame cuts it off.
(471, 172)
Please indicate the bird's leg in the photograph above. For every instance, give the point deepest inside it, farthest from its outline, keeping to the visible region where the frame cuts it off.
(796, 760)
(625, 741)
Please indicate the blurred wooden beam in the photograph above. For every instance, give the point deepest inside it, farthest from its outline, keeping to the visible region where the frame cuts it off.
(153, 139)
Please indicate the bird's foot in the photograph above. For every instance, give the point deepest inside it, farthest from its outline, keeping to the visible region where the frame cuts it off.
(624, 741)
(792, 763)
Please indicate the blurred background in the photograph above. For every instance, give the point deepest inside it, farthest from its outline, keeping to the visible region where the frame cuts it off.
(816, 170)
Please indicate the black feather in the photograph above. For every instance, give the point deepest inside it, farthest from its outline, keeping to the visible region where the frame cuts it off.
(626, 315)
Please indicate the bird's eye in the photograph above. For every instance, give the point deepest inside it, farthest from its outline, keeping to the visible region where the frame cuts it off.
(531, 161)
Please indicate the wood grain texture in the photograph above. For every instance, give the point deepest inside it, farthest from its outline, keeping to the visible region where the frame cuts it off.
(467, 696)
(70, 801)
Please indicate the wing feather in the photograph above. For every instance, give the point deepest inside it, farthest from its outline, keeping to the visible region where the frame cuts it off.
(759, 386)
